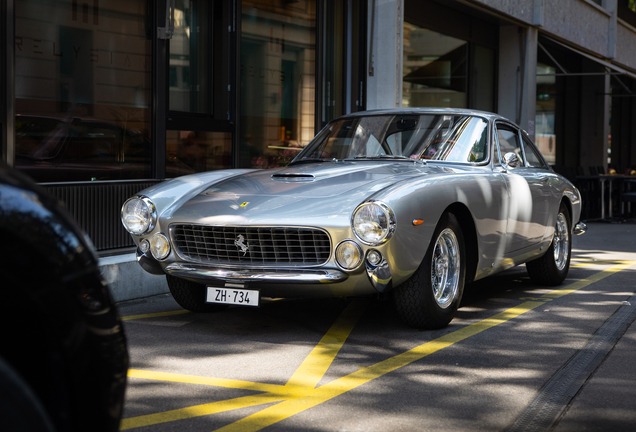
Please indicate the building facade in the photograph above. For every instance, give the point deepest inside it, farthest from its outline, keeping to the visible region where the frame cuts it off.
(102, 98)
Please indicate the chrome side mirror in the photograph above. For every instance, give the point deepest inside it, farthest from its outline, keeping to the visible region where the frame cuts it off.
(511, 160)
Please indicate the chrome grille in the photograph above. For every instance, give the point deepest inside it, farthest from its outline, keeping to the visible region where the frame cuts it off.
(265, 245)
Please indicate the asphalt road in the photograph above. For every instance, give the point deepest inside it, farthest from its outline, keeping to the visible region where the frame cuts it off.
(517, 357)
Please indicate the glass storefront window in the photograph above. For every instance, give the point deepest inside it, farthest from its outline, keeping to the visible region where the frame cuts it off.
(277, 81)
(434, 69)
(190, 57)
(333, 61)
(83, 90)
(545, 137)
(188, 152)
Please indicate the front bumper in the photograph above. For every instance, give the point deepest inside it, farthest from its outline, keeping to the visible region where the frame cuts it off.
(281, 282)
(269, 276)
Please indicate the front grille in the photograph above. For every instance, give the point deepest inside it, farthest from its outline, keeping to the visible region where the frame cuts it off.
(252, 246)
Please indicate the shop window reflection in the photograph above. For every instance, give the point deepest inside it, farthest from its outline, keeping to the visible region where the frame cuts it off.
(190, 57)
(545, 133)
(189, 152)
(277, 77)
(82, 90)
(434, 69)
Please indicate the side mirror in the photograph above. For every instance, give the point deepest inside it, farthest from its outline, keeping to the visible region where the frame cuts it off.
(511, 160)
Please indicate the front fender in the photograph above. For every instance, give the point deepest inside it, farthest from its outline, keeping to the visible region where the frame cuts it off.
(482, 193)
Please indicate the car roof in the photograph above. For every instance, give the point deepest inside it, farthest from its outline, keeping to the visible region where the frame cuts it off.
(406, 111)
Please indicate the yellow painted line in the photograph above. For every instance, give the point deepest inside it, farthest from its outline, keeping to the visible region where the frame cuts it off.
(192, 379)
(300, 393)
(588, 263)
(315, 365)
(311, 370)
(570, 288)
(198, 410)
(154, 315)
(304, 399)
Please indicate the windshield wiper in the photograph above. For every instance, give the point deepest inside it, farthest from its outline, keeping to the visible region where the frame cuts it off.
(308, 160)
(383, 156)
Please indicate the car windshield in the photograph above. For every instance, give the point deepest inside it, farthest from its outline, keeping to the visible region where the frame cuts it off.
(436, 137)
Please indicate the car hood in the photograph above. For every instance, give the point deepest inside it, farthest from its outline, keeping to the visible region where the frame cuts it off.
(327, 190)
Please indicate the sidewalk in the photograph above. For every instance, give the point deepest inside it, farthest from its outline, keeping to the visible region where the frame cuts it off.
(607, 401)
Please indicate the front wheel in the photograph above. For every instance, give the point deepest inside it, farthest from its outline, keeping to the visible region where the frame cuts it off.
(191, 296)
(431, 296)
(552, 268)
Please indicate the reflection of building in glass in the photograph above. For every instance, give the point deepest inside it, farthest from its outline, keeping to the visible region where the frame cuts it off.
(434, 69)
(189, 63)
(84, 65)
(277, 76)
(545, 137)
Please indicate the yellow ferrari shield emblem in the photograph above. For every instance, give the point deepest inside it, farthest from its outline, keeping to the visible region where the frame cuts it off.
(244, 204)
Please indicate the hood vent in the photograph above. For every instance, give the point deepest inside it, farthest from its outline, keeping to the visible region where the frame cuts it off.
(293, 177)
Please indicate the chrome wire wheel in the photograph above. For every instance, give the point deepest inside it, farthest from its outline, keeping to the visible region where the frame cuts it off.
(445, 268)
(561, 242)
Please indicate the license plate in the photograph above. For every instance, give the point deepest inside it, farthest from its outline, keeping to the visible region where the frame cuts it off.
(233, 296)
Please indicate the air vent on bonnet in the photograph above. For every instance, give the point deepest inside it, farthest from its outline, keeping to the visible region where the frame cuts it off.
(293, 177)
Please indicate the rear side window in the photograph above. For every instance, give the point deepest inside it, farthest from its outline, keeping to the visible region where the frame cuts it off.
(532, 157)
(509, 142)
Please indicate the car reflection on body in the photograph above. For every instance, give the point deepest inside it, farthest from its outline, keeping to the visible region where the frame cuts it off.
(412, 203)
(63, 356)
(80, 149)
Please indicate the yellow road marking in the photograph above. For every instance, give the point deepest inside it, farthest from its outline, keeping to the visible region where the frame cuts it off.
(300, 394)
(192, 379)
(154, 315)
(314, 367)
(199, 410)
(304, 399)
(586, 262)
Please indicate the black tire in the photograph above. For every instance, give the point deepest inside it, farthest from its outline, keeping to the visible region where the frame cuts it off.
(191, 296)
(20, 408)
(415, 300)
(552, 267)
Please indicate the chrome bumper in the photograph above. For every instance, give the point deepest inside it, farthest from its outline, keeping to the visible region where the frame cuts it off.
(579, 228)
(278, 276)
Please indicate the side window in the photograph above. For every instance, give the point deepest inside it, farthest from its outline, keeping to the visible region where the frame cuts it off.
(509, 142)
(532, 157)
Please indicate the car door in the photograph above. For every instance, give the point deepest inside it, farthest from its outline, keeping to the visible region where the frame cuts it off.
(525, 184)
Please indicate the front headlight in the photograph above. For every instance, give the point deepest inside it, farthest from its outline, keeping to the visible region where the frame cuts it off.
(139, 215)
(373, 223)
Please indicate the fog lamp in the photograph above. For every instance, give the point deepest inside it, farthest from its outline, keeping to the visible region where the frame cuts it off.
(348, 255)
(159, 246)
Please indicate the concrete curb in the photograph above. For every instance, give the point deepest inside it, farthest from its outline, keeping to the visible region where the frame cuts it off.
(127, 280)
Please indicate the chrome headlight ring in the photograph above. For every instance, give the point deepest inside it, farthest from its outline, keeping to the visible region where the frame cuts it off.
(139, 215)
(373, 223)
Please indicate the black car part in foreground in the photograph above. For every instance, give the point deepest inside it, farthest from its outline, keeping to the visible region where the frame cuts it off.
(63, 354)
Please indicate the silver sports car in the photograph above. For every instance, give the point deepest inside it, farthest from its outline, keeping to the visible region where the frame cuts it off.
(411, 203)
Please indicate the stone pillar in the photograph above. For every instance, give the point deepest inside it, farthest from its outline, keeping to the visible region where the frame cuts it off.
(384, 71)
(518, 75)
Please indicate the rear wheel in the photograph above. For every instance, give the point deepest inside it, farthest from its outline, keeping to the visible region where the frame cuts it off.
(431, 296)
(552, 268)
(191, 295)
